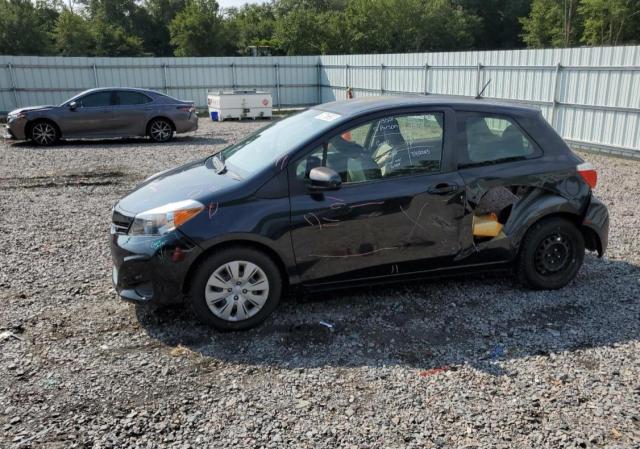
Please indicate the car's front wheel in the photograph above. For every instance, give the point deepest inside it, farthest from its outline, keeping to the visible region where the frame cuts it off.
(43, 133)
(160, 130)
(551, 254)
(235, 289)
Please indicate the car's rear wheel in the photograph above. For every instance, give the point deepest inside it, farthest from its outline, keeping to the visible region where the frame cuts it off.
(160, 130)
(235, 289)
(551, 254)
(43, 133)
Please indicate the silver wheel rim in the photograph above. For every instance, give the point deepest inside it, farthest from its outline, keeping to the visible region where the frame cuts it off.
(160, 130)
(237, 290)
(43, 133)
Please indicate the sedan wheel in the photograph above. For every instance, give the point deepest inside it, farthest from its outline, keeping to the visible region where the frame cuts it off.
(44, 134)
(160, 130)
(235, 288)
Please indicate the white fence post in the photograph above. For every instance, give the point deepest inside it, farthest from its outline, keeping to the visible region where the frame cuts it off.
(277, 67)
(381, 79)
(319, 81)
(164, 78)
(426, 78)
(346, 80)
(478, 81)
(14, 88)
(554, 95)
(95, 75)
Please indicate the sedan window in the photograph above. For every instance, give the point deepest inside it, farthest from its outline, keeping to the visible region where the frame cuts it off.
(128, 98)
(97, 99)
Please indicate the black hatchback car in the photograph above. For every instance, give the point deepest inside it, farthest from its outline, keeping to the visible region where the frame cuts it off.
(359, 192)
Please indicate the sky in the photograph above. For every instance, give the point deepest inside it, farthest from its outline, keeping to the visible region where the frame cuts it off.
(229, 3)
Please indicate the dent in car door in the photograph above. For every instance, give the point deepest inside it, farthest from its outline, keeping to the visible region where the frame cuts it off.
(384, 227)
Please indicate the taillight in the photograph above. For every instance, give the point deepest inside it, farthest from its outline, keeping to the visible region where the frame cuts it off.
(588, 173)
(191, 108)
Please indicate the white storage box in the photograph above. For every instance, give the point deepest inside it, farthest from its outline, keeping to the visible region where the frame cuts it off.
(239, 104)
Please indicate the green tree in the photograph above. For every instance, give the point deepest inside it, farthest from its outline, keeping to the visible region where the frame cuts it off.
(155, 30)
(610, 22)
(307, 32)
(73, 35)
(22, 28)
(253, 24)
(198, 30)
(551, 23)
(500, 25)
(379, 26)
(113, 40)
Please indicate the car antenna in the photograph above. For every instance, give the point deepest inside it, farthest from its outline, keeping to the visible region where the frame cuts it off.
(479, 96)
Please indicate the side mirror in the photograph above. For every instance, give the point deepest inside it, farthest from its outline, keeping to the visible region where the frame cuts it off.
(324, 178)
(73, 105)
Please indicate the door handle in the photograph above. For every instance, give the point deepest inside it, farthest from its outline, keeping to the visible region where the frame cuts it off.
(443, 188)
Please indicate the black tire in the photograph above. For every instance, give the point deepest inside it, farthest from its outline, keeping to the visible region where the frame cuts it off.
(200, 286)
(160, 130)
(43, 133)
(551, 254)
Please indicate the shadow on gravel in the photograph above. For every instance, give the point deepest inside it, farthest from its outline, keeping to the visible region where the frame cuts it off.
(80, 179)
(176, 141)
(473, 320)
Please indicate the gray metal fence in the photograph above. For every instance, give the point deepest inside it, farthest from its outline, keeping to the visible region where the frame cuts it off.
(590, 95)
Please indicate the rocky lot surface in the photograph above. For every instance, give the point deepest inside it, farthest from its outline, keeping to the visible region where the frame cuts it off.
(458, 363)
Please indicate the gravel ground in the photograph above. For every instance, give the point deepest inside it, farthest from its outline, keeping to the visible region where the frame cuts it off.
(469, 362)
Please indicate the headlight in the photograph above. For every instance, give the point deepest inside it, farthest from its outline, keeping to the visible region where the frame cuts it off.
(165, 218)
(16, 115)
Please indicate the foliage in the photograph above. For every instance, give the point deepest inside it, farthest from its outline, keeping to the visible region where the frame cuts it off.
(23, 27)
(294, 27)
(197, 30)
(610, 22)
(73, 35)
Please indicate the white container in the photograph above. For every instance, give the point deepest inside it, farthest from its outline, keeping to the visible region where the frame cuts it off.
(239, 104)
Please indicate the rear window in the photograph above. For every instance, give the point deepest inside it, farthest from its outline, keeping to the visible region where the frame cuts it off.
(487, 138)
(126, 98)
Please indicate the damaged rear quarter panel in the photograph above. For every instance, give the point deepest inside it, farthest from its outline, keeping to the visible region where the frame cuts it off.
(546, 185)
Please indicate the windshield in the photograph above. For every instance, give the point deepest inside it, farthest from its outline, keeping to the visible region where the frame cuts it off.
(268, 145)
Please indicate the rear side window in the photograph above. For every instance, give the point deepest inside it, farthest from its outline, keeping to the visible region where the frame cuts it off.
(127, 98)
(492, 139)
(97, 99)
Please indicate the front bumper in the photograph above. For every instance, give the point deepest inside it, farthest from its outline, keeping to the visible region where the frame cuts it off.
(597, 219)
(15, 129)
(151, 269)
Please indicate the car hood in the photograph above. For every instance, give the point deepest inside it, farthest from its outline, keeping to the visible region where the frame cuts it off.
(196, 180)
(31, 108)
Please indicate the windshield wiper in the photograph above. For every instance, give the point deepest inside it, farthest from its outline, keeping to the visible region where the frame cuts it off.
(218, 164)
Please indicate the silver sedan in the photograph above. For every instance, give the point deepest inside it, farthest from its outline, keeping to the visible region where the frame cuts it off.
(104, 113)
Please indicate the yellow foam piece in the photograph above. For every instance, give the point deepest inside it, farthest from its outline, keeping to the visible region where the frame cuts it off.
(486, 225)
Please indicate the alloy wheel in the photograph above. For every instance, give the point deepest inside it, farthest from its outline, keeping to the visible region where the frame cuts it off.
(237, 290)
(43, 133)
(160, 130)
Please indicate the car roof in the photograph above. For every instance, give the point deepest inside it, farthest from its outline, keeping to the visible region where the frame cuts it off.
(363, 105)
(133, 89)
